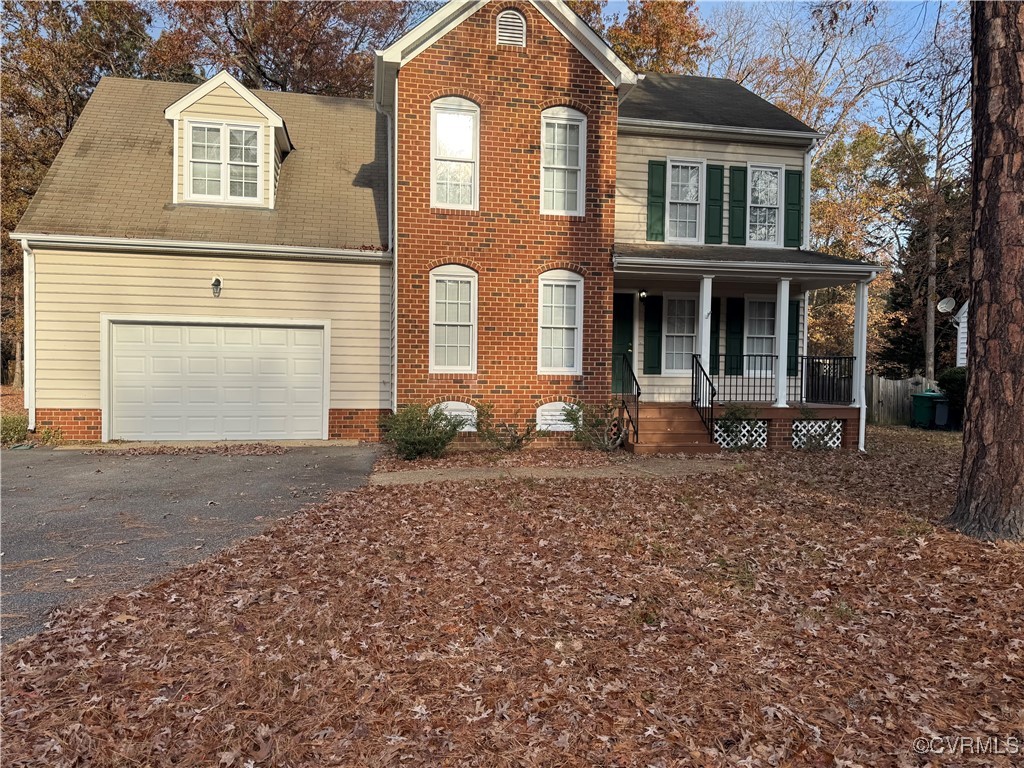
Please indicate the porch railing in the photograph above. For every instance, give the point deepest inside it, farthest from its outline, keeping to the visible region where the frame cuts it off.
(825, 380)
(703, 396)
(629, 391)
(744, 378)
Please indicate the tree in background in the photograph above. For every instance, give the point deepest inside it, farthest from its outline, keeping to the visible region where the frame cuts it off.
(928, 113)
(652, 36)
(54, 55)
(315, 46)
(990, 498)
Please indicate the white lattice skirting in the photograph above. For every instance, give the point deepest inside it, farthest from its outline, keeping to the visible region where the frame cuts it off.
(818, 433)
(750, 433)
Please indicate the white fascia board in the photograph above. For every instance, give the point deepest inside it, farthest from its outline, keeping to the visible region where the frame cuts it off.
(642, 126)
(174, 111)
(202, 248)
(578, 32)
(761, 269)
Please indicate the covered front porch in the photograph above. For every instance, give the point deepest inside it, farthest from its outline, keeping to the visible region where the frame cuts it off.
(723, 331)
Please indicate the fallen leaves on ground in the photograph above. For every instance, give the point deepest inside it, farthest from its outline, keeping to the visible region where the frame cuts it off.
(801, 610)
(12, 400)
(567, 457)
(221, 449)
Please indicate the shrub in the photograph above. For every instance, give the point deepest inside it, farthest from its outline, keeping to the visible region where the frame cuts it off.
(731, 422)
(13, 428)
(953, 383)
(597, 427)
(416, 430)
(507, 436)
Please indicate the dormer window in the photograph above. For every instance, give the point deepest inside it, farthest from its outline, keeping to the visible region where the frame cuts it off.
(224, 163)
(511, 29)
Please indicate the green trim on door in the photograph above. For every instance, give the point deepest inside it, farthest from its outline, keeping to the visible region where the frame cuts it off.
(656, 200)
(793, 219)
(734, 311)
(738, 205)
(652, 335)
(716, 320)
(622, 337)
(714, 209)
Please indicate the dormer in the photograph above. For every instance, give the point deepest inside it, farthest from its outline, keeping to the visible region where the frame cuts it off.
(228, 146)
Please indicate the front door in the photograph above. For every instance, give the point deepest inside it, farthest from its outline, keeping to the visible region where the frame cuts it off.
(622, 337)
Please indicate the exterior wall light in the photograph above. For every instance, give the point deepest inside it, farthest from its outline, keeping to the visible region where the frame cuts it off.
(216, 284)
(643, 294)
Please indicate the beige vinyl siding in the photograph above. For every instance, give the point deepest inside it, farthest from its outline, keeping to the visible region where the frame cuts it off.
(72, 289)
(676, 388)
(634, 152)
(223, 105)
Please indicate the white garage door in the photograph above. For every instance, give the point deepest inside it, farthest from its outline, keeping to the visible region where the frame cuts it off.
(216, 382)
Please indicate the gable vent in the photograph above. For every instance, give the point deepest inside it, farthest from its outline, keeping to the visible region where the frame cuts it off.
(511, 29)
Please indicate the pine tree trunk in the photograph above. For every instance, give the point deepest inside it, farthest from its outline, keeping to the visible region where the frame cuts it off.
(990, 499)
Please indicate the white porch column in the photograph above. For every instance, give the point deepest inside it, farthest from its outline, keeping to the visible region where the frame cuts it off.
(781, 340)
(860, 350)
(704, 323)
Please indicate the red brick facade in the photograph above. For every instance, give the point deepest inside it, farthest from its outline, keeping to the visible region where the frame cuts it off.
(507, 241)
(75, 424)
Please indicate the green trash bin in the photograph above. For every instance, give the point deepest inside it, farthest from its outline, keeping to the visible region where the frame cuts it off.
(924, 408)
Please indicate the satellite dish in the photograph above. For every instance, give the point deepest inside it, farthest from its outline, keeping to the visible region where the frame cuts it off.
(946, 306)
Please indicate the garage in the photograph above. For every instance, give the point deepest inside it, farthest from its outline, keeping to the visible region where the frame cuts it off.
(191, 380)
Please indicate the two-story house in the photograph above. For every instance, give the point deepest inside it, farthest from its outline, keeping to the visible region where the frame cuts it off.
(516, 218)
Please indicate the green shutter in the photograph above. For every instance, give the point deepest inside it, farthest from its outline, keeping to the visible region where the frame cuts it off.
(734, 308)
(793, 339)
(793, 222)
(714, 209)
(716, 319)
(652, 335)
(656, 200)
(737, 205)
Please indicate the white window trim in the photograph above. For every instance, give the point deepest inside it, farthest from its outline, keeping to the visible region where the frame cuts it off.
(747, 298)
(497, 26)
(560, 277)
(702, 194)
(225, 198)
(457, 272)
(665, 370)
(566, 115)
(751, 167)
(456, 104)
(558, 426)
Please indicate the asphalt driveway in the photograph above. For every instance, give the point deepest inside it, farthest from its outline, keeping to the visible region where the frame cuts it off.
(78, 524)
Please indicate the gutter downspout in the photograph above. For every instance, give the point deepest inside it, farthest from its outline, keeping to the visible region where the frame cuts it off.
(861, 352)
(29, 289)
(807, 195)
(393, 123)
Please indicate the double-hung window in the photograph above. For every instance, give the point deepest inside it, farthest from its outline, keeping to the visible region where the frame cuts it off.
(454, 153)
(763, 210)
(224, 163)
(680, 332)
(760, 334)
(560, 346)
(685, 200)
(563, 161)
(453, 319)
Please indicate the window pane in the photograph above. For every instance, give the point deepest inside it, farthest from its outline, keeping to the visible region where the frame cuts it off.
(205, 179)
(764, 187)
(685, 184)
(455, 135)
(764, 225)
(205, 143)
(242, 146)
(453, 182)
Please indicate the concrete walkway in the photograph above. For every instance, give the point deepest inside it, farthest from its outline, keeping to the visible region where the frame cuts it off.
(655, 467)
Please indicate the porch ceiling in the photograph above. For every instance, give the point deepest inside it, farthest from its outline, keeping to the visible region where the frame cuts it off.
(810, 268)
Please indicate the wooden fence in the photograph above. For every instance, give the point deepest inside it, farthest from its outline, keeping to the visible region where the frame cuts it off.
(889, 401)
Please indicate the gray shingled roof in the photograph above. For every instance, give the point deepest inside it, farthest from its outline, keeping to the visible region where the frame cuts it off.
(735, 253)
(705, 101)
(112, 177)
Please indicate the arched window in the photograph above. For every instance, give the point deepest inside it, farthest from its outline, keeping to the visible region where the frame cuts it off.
(453, 298)
(563, 163)
(560, 320)
(551, 417)
(454, 153)
(458, 408)
(511, 28)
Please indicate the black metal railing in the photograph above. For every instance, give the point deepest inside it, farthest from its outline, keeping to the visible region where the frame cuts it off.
(703, 396)
(629, 391)
(824, 379)
(744, 378)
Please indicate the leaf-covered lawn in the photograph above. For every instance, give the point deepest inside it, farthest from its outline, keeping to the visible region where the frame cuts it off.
(799, 610)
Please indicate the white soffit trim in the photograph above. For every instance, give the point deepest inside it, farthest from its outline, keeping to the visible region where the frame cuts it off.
(202, 248)
(174, 111)
(783, 269)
